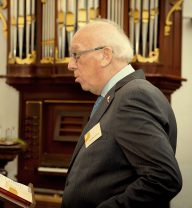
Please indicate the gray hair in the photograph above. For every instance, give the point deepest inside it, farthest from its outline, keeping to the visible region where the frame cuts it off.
(108, 33)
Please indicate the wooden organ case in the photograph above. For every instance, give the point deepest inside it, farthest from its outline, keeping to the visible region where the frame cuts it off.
(53, 109)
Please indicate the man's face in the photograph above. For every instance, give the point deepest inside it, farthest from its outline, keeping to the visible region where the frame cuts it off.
(85, 63)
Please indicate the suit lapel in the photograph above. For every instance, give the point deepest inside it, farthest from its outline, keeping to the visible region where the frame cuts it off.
(102, 108)
(91, 123)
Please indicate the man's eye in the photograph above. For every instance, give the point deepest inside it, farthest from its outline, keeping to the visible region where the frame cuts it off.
(74, 54)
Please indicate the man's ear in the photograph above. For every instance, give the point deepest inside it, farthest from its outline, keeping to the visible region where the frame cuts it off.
(107, 56)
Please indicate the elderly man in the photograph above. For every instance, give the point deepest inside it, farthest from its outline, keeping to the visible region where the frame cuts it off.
(125, 156)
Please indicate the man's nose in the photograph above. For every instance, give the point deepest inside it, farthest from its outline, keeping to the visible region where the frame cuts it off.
(72, 65)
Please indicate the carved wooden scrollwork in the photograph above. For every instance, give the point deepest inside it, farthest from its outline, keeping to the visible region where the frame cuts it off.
(176, 7)
(3, 5)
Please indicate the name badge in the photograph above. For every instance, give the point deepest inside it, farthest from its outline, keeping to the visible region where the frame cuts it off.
(93, 135)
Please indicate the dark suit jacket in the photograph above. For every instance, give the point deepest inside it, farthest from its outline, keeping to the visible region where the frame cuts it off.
(133, 163)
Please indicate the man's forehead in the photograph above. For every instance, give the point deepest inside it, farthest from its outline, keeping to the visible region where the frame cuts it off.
(79, 44)
(75, 46)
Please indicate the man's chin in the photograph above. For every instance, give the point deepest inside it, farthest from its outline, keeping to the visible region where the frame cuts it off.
(84, 88)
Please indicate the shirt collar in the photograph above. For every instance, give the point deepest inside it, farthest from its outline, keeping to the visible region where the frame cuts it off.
(120, 75)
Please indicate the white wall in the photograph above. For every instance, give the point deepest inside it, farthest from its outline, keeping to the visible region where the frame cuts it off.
(181, 102)
(8, 95)
(182, 105)
(8, 99)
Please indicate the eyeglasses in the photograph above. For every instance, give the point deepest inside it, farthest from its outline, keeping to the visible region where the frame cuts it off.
(77, 55)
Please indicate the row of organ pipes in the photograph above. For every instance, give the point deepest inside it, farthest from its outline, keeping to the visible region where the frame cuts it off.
(143, 27)
(22, 28)
(62, 18)
(72, 15)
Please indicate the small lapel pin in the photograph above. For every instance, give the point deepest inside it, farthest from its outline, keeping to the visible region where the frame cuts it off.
(108, 99)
